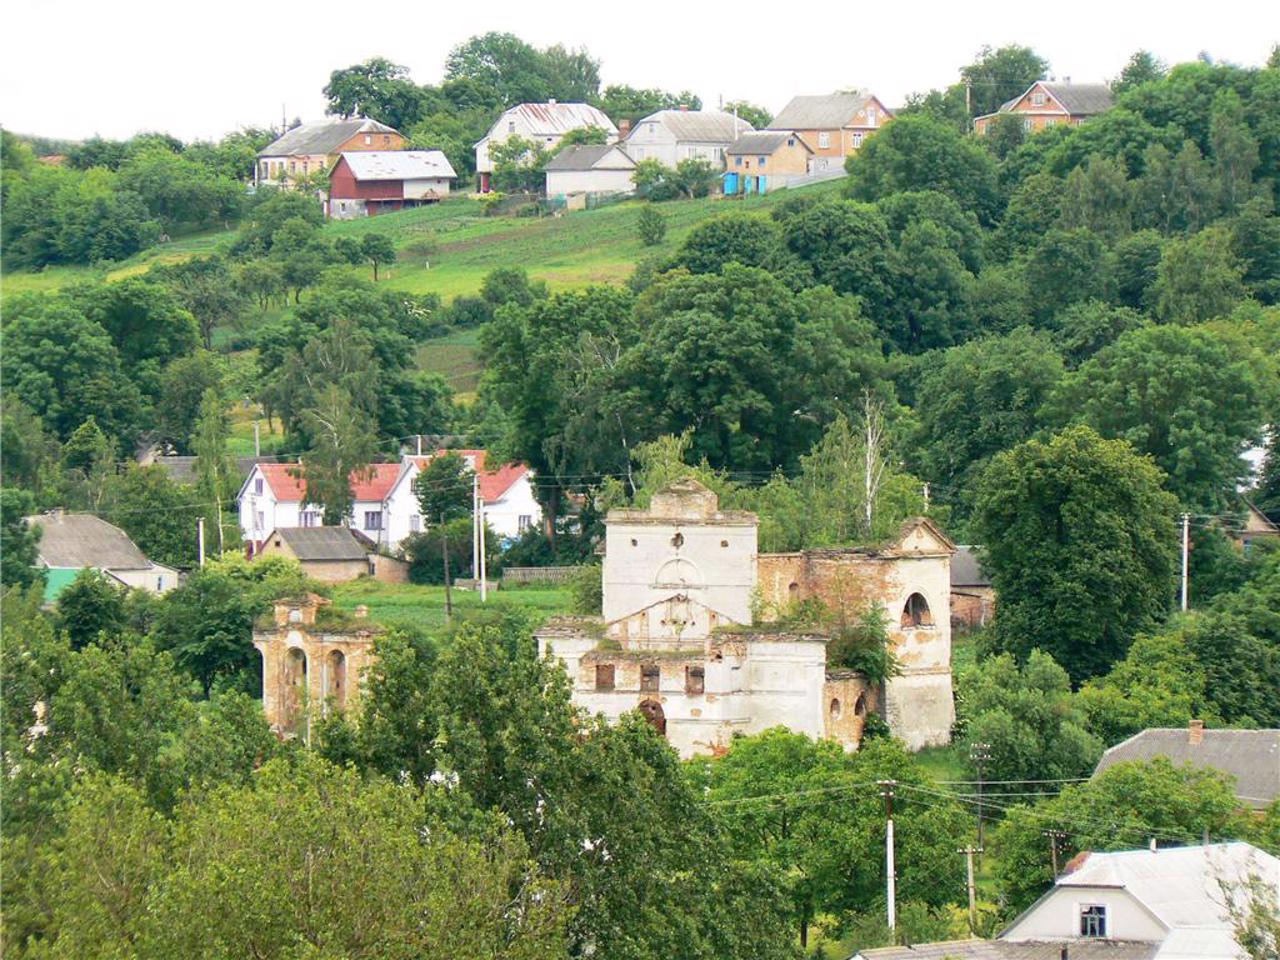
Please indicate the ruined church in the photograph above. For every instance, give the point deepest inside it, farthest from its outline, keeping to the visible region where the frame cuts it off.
(685, 634)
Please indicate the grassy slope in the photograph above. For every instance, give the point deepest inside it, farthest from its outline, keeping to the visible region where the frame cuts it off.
(423, 606)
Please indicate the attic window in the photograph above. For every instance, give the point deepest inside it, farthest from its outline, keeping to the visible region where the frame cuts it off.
(1037, 99)
(368, 139)
(257, 485)
(511, 126)
(915, 613)
(1093, 920)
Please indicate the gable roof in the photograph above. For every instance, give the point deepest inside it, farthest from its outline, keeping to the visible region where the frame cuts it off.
(1251, 756)
(966, 570)
(591, 157)
(78, 540)
(554, 119)
(825, 111)
(763, 142)
(182, 469)
(322, 543)
(398, 164)
(1014, 950)
(494, 484)
(287, 485)
(698, 126)
(325, 137)
(1080, 99)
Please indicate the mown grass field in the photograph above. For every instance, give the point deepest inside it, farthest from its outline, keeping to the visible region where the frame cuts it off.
(407, 604)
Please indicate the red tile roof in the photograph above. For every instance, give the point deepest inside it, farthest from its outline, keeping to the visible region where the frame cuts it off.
(493, 483)
(286, 482)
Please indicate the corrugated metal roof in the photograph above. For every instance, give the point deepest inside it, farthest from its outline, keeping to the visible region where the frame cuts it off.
(310, 139)
(82, 540)
(762, 142)
(698, 126)
(966, 571)
(1251, 756)
(590, 157)
(321, 543)
(554, 119)
(399, 164)
(182, 469)
(829, 111)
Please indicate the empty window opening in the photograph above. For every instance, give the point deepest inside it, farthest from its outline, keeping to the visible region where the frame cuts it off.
(649, 677)
(694, 679)
(835, 708)
(604, 676)
(860, 706)
(652, 711)
(916, 612)
(336, 678)
(1093, 921)
(678, 540)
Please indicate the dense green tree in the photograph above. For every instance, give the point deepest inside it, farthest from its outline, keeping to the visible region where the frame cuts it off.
(977, 400)
(1235, 150)
(378, 249)
(504, 64)
(182, 388)
(157, 514)
(960, 227)
(1176, 192)
(19, 544)
(755, 115)
(848, 248)
(269, 214)
(620, 102)
(1028, 720)
(1255, 243)
(1034, 209)
(1189, 398)
(88, 461)
(1079, 541)
(217, 478)
(917, 153)
(1066, 267)
(28, 454)
(378, 89)
(343, 446)
(930, 305)
(1082, 329)
(504, 285)
(999, 301)
(651, 226)
(444, 488)
(1004, 134)
(1198, 278)
(145, 321)
(180, 193)
(1096, 197)
(1142, 67)
(91, 606)
(750, 240)
(1001, 74)
(1134, 268)
(206, 289)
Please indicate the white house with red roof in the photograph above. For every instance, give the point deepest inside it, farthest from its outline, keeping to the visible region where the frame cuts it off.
(386, 508)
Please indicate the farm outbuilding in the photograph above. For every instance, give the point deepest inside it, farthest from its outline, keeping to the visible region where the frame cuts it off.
(376, 181)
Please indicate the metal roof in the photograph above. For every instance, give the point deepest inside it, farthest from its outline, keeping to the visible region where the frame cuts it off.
(310, 139)
(82, 540)
(966, 571)
(590, 157)
(1020, 950)
(829, 111)
(698, 126)
(399, 164)
(762, 142)
(1251, 756)
(321, 543)
(554, 119)
(182, 469)
(1081, 99)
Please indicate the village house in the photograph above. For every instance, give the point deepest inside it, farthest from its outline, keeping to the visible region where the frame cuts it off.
(1047, 103)
(1257, 526)
(973, 598)
(670, 136)
(833, 125)
(315, 148)
(365, 183)
(386, 508)
(313, 661)
(333, 554)
(1250, 757)
(678, 640)
(1152, 904)
(764, 159)
(71, 542)
(590, 169)
(544, 124)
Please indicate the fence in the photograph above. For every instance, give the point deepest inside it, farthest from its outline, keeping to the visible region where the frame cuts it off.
(538, 574)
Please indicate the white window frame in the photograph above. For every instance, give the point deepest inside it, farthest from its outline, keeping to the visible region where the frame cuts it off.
(1038, 99)
(872, 119)
(376, 517)
(824, 140)
(857, 140)
(1084, 912)
(523, 522)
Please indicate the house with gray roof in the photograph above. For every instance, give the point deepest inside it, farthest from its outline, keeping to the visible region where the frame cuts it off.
(366, 182)
(315, 147)
(1252, 757)
(833, 125)
(765, 159)
(1048, 103)
(72, 542)
(590, 168)
(333, 554)
(670, 136)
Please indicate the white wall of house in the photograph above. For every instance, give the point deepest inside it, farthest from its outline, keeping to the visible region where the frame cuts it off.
(1057, 916)
(652, 140)
(427, 186)
(589, 181)
(155, 579)
(515, 510)
(261, 512)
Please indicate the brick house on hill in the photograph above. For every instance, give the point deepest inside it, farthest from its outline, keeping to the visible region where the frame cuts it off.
(315, 148)
(1047, 103)
(833, 125)
(765, 159)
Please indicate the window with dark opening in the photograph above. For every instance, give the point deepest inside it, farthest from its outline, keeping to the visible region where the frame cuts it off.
(678, 540)
(860, 705)
(604, 676)
(649, 676)
(694, 679)
(916, 612)
(1093, 921)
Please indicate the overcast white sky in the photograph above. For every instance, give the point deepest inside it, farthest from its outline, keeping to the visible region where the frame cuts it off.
(73, 68)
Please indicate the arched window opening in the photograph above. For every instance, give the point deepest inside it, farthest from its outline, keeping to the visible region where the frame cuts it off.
(860, 705)
(336, 681)
(836, 709)
(916, 612)
(295, 678)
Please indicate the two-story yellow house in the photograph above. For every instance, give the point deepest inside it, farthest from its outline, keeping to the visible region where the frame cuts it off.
(315, 147)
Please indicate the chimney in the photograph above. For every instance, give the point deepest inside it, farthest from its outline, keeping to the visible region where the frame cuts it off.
(361, 612)
(684, 108)
(551, 101)
(1195, 732)
(1153, 845)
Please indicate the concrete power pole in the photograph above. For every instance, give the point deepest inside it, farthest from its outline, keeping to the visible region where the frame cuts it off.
(200, 537)
(973, 893)
(890, 875)
(1186, 555)
(444, 551)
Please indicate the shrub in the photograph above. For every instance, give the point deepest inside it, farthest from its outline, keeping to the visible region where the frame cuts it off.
(651, 226)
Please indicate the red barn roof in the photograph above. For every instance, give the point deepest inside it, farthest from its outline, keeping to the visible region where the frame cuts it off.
(286, 483)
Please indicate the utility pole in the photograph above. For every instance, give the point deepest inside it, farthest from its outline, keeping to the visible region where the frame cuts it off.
(475, 526)
(484, 566)
(257, 441)
(890, 877)
(926, 497)
(968, 100)
(200, 537)
(973, 893)
(1054, 836)
(444, 551)
(1186, 551)
(980, 753)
